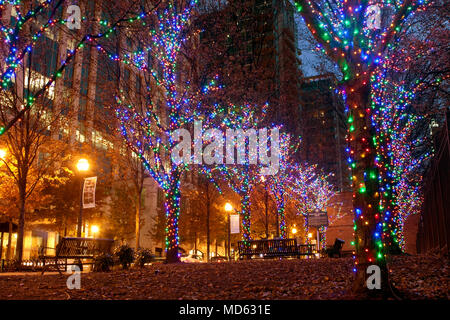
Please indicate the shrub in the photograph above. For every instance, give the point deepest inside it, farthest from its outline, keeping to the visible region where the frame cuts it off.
(143, 256)
(103, 262)
(125, 255)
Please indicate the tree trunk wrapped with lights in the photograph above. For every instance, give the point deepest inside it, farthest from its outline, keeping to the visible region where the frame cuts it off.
(368, 222)
(355, 34)
(282, 215)
(172, 207)
(246, 215)
(149, 124)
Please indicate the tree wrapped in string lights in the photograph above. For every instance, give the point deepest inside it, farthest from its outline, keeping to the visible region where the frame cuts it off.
(410, 92)
(25, 25)
(240, 123)
(356, 34)
(323, 194)
(299, 188)
(148, 127)
(37, 45)
(404, 149)
(19, 39)
(278, 183)
(400, 174)
(310, 191)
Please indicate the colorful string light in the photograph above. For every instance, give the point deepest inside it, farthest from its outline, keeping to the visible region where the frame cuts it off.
(399, 160)
(241, 178)
(18, 46)
(146, 134)
(345, 33)
(311, 191)
(278, 184)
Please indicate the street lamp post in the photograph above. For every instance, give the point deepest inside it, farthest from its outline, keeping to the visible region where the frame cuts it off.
(318, 240)
(310, 235)
(294, 230)
(3, 154)
(229, 209)
(82, 167)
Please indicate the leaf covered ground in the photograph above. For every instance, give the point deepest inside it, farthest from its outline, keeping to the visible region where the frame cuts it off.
(417, 277)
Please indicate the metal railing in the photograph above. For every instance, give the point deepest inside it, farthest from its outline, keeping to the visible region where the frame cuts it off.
(26, 265)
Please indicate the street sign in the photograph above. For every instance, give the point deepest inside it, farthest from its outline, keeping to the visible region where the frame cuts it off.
(234, 223)
(89, 192)
(317, 219)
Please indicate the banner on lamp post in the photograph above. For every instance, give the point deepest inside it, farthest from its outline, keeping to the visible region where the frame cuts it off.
(89, 192)
(234, 223)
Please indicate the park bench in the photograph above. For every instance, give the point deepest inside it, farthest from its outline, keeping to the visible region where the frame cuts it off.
(273, 248)
(336, 249)
(75, 248)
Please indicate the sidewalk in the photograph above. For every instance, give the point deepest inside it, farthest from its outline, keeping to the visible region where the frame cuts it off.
(32, 273)
(35, 273)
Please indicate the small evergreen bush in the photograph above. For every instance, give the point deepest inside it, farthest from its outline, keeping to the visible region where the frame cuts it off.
(143, 256)
(103, 262)
(125, 255)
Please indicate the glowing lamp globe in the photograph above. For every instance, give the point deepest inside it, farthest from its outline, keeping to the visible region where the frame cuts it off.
(228, 207)
(83, 165)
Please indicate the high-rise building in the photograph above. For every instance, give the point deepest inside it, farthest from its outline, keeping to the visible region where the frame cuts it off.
(261, 59)
(324, 128)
